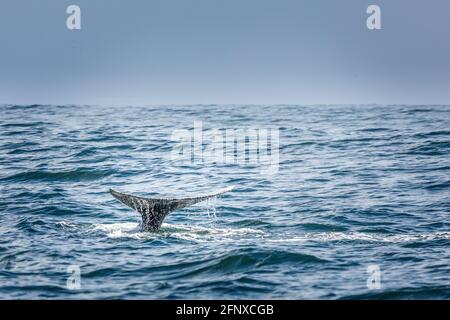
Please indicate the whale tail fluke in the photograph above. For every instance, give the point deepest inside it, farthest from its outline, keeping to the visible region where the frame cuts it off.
(153, 210)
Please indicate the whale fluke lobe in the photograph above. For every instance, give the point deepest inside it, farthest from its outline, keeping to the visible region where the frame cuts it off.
(153, 211)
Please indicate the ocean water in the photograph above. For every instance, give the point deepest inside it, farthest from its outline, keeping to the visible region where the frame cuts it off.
(358, 188)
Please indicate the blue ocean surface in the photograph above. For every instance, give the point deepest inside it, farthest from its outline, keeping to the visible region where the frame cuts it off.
(358, 208)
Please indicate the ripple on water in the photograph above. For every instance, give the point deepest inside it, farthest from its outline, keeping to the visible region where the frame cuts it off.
(356, 186)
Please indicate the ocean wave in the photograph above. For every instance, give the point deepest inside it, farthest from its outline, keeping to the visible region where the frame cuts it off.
(175, 231)
(424, 135)
(365, 237)
(430, 148)
(356, 185)
(236, 261)
(222, 234)
(428, 292)
(80, 174)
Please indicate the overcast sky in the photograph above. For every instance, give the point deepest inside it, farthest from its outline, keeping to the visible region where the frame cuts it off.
(150, 52)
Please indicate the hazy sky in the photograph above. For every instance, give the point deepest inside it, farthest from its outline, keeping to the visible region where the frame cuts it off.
(224, 51)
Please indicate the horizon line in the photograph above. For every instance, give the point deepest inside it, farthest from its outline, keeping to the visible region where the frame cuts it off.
(224, 104)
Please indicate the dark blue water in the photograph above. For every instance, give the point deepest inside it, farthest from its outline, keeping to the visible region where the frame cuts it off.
(356, 186)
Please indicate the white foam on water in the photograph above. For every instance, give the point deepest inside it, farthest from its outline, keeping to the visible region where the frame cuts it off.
(205, 234)
(67, 225)
(357, 236)
(223, 234)
(182, 232)
(117, 230)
